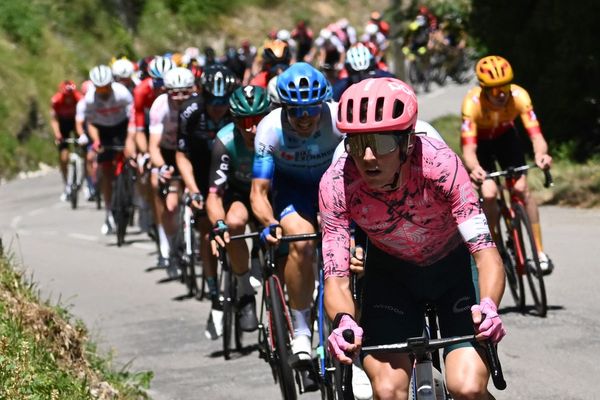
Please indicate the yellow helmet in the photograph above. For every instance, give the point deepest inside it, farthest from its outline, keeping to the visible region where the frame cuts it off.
(493, 71)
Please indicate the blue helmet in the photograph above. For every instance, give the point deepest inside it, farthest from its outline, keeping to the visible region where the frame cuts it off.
(301, 84)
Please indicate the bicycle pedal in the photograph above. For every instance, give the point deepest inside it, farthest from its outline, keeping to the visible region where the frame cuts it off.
(307, 381)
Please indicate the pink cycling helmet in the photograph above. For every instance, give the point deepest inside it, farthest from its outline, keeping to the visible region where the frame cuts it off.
(377, 105)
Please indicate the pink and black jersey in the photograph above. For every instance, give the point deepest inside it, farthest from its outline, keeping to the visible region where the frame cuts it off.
(420, 222)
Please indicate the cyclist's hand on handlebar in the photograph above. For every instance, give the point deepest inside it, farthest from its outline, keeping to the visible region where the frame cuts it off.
(487, 321)
(219, 236)
(197, 201)
(338, 346)
(357, 257)
(271, 234)
(478, 174)
(96, 146)
(143, 160)
(83, 140)
(544, 161)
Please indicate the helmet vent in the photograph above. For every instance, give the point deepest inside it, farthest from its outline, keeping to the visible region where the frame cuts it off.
(379, 109)
(398, 109)
(364, 108)
(349, 116)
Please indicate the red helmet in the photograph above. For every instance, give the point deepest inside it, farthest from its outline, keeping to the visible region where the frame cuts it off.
(67, 87)
(377, 105)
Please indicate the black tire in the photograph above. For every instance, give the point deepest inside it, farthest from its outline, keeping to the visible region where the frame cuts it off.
(228, 310)
(535, 276)
(74, 187)
(280, 333)
(121, 204)
(506, 249)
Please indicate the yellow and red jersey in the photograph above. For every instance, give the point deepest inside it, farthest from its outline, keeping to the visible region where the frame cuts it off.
(484, 121)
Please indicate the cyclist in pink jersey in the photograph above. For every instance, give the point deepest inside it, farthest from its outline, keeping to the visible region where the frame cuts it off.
(413, 198)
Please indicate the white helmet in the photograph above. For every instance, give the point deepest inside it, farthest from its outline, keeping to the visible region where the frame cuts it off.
(179, 78)
(371, 29)
(159, 66)
(325, 33)
(284, 35)
(359, 57)
(122, 69)
(101, 75)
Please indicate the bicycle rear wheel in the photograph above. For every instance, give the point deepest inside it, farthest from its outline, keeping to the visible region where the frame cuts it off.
(191, 282)
(74, 187)
(506, 248)
(535, 277)
(281, 336)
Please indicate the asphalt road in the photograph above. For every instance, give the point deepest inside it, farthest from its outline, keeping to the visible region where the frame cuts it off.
(121, 299)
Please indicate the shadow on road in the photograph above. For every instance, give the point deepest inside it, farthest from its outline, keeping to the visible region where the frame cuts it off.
(529, 310)
(243, 352)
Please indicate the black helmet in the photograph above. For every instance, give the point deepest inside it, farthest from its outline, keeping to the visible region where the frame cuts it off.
(218, 81)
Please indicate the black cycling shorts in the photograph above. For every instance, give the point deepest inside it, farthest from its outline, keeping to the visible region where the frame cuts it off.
(507, 150)
(111, 136)
(65, 126)
(395, 293)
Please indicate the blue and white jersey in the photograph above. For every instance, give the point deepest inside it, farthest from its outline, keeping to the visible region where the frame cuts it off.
(278, 148)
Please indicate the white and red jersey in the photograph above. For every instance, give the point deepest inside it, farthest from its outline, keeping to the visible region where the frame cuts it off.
(164, 120)
(421, 222)
(110, 111)
(143, 95)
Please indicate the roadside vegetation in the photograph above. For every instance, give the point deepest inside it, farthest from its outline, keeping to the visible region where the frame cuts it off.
(575, 184)
(46, 354)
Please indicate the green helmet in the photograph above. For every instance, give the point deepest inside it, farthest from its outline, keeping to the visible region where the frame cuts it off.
(248, 101)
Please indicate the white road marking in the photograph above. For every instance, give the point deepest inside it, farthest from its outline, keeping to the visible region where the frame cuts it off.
(82, 236)
(15, 221)
(37, 211)
(144, 246)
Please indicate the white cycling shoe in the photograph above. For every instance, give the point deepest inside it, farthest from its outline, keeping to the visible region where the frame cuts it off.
(546, 264)
(301, 352)
(361, 385)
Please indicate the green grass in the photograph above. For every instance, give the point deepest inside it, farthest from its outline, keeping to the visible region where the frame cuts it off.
(44, 354)
(575, 184)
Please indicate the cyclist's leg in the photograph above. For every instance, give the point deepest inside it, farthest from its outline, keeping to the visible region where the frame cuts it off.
(163, 242)
(236, 218)
(486, 155)
(66, 126)
(391, 313)
(467, 374)
(389, 374)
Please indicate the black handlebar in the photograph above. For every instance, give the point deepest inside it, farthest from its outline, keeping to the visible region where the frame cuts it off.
(494, 365)
(510, 172)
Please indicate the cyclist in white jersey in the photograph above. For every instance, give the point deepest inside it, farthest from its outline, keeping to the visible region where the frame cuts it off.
(107, 107)
(293, 148)
(164, 121)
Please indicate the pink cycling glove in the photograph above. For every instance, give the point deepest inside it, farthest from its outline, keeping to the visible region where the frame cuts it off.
(491, 326)
(337, 343)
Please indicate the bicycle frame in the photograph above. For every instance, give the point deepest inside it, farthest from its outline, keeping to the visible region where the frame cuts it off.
(511, 175)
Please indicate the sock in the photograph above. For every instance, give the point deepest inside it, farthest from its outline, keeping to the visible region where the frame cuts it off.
(299, 321)
(163, 242)
(537, 235)
(244, 286)
(211, 282)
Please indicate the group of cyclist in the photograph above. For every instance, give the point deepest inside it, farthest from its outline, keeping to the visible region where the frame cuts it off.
(287, 150)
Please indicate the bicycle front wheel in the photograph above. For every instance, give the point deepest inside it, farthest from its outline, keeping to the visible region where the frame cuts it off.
(281, 336)
(535, 277)
(228, 311)
(119, 207)
(74, 187)
(506, 247)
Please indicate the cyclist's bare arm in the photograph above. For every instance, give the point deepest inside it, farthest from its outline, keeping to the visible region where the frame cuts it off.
(540, 151)
(259, 200)
(186, 171)
(141, 142)
(214, 208)
(155, 154)
(79, 128)
(93, 133)
(491, 273)
(339, 296)
(55, 126)
(130, 148)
